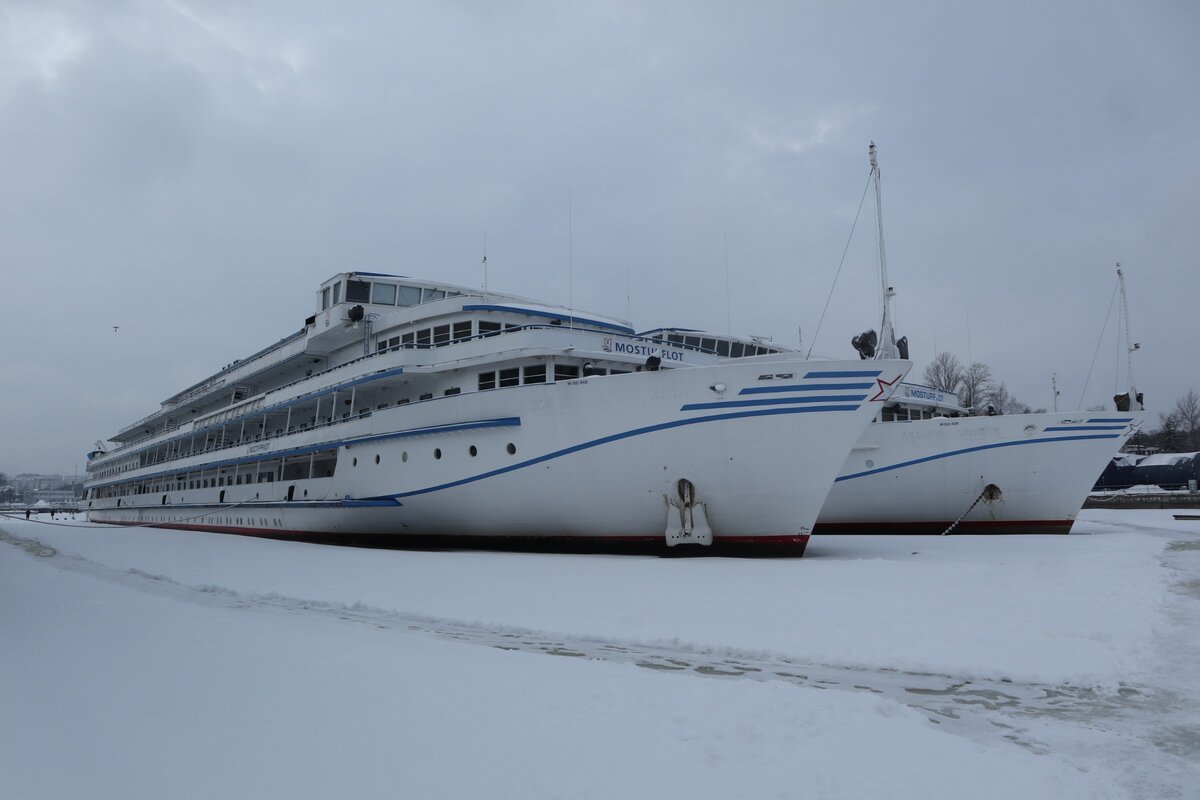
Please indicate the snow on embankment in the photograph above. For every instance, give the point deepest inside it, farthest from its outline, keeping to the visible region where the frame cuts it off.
(1051, 609)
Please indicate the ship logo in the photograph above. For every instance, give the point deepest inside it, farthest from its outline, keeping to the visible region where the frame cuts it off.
(885, 389)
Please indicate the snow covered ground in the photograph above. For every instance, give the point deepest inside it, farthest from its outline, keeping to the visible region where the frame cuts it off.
(148, 663)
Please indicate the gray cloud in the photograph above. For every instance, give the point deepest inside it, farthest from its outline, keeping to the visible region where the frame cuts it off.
(190, 172)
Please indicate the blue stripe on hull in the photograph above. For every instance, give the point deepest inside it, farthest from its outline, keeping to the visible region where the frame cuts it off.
(1085, 428)
(845, 374)
(778, 401)
(810, 387)
(953, 453)
(617, 437)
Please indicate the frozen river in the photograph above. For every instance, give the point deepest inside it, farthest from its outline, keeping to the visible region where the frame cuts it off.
(145, 663)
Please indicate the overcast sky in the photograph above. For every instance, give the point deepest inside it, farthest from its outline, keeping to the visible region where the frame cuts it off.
(191, 171)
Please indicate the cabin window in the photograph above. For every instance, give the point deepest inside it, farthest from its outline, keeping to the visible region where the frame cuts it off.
(408, 295)
(723, 348)
(426, 396)
(325, 298)
(675, 338)
(423, 338)
(565, 372)
(451, 390)
(381, 346)
(462, 330)
(618, 372)
(295, 468)
(510, 377)
(429, 295)
(691, 341)
(488, 328)
(394, 342)
(358, 292)
(535, 374)
(736, 349)
(324, 464)
(708, 345)
(407, 339)
(487, 380)
(384, 294)
(441, 335)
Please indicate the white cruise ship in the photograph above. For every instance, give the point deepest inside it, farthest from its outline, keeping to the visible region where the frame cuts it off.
(419, 412)
(925, 466)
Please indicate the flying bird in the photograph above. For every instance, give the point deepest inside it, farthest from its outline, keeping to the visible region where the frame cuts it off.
(116, 328)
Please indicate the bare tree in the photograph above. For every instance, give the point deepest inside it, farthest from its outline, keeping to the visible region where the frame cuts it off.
(944, 372)
(974, 384)
(1187, 414)
(1170, 435)
(999, 397)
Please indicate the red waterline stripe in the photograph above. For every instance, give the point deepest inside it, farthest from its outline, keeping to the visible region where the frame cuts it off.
(1055, 526)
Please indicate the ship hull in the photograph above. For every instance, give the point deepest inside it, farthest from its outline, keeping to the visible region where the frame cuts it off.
(925, 476)
(593, 459)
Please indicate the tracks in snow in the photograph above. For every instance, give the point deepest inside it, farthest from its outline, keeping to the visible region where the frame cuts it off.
(979, 708)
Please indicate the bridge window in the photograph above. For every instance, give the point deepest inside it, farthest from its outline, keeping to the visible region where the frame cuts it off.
(408, 339)
(564, 372)
(441, 335)
(462, 330)
(723, 348)
(737, 349)
(358, 292)
(487, 328)
(487, 380)
(510, 377)
(535, 374)
(325, 298)
(384, 294)
(429, 295)
(408, 295)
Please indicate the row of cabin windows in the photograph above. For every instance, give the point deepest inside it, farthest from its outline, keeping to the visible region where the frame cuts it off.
(536, 373)
(894, 414)
(439, 335)
(722, 347)
(321, 464)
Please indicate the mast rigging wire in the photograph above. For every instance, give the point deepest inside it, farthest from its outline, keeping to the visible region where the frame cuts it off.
(845, 250)
(1099, 341)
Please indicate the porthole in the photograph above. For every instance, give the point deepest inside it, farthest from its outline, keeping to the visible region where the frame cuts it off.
(376, 458)
(437, 452)
(355, 462)
(404, 456)
(512, 449)
(306, 492)
(474, 451)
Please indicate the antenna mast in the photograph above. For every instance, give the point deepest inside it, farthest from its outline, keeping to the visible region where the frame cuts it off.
(887, 334)
(485, 289)
(1130, 344)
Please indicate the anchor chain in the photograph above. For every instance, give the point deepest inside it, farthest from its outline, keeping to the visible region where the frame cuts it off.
(970, 508)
